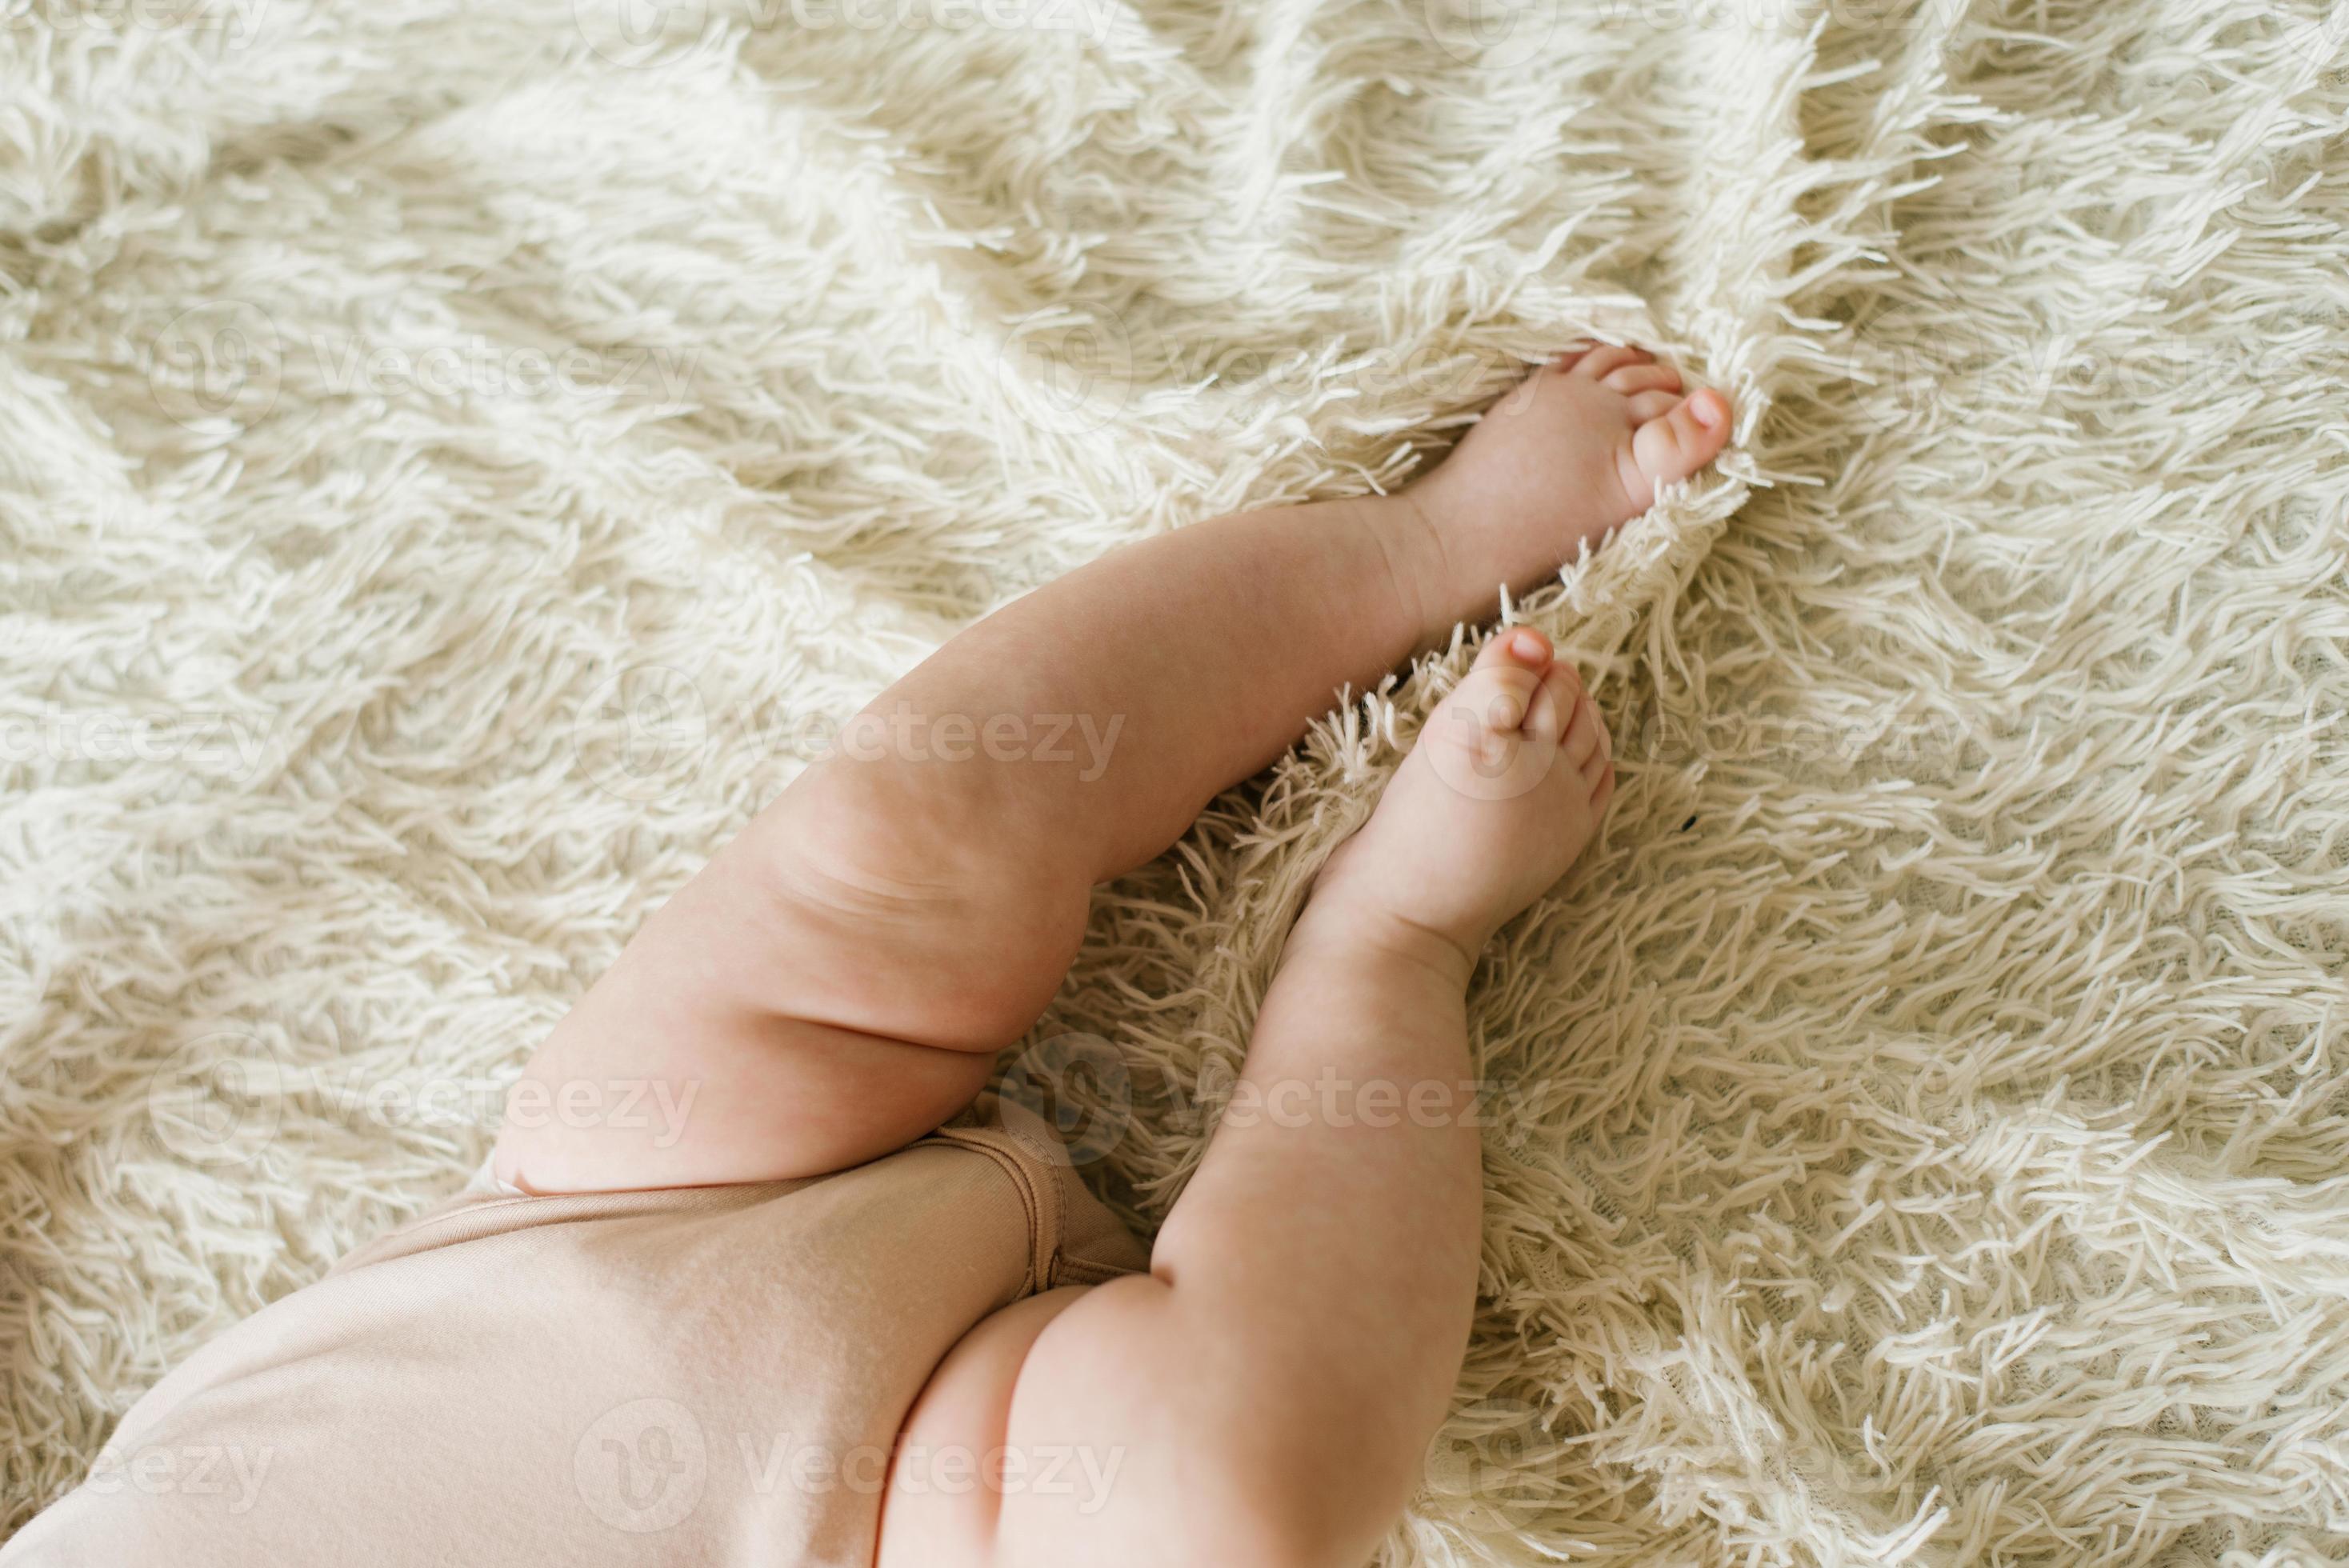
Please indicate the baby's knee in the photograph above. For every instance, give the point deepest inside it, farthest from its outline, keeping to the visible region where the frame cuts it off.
(937, 934)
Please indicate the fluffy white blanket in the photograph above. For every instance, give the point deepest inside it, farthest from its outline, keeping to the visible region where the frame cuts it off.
(455, 460)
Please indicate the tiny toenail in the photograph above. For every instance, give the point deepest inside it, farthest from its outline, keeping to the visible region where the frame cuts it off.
(1706, 409)
(1525, 645)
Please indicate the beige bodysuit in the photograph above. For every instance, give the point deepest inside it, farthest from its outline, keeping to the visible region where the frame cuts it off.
(694, 1376)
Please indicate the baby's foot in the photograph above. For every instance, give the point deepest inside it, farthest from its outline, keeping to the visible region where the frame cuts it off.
(1505, 787)
(1579, 447)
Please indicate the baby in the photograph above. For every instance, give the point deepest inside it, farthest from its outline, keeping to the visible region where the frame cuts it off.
(859, 1313)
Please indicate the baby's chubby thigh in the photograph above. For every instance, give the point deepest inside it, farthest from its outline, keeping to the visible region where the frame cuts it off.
(953, 1467)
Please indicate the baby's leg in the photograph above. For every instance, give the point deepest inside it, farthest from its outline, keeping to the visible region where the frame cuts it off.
(835, 982)
(1265, 1396)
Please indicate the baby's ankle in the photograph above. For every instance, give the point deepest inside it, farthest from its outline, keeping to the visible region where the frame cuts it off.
(1423, 565)
(1340, 927)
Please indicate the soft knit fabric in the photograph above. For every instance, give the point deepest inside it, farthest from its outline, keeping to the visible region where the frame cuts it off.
(710, 1375)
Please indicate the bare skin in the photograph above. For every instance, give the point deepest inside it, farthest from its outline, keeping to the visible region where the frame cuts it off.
(835, 983)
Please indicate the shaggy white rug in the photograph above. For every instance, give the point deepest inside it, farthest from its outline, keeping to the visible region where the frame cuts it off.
(455, 461)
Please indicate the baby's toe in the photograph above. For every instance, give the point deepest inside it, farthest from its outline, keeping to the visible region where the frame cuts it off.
(1519, 647)
(1586, 734)
(1492, 702)
(1598, 770)
(1553, 707)
(1675, 445)
(1637, 379)
(1606, 359)
(1646, 406)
